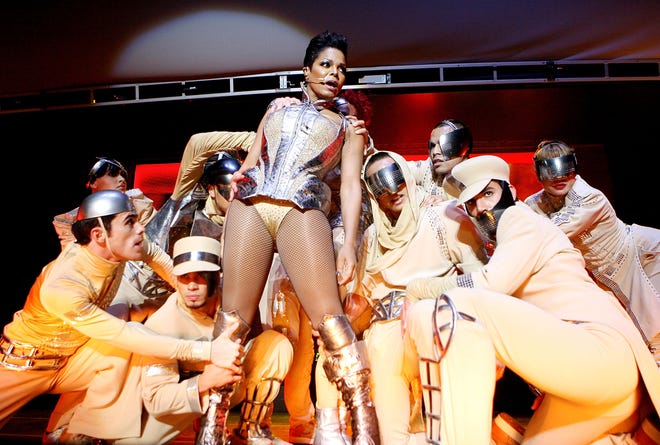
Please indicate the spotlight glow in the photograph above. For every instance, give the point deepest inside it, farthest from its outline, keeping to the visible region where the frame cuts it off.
(198, 44)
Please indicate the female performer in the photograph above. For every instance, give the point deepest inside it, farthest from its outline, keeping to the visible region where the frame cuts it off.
(279, 202)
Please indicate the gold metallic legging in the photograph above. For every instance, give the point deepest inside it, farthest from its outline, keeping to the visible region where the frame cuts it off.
(304, 242)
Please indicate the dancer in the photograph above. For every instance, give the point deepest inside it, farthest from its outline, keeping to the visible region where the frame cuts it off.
(534, 308)
(623, 257)
(278, 201)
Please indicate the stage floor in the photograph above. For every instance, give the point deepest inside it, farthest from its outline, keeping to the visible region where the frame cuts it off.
(28, 425)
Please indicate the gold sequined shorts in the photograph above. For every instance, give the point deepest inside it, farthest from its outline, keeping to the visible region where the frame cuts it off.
(272, 211)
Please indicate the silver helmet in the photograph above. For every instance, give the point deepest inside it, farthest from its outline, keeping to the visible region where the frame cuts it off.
(454, 144)
(104, 203)
(219, 169)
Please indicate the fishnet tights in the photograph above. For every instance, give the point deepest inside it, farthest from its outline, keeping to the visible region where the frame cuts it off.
(304, 242)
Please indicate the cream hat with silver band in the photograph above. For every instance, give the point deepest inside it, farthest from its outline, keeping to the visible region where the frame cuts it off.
(471, 176)
(196, 254)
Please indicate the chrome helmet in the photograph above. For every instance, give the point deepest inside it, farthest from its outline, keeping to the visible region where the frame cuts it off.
(104, 203)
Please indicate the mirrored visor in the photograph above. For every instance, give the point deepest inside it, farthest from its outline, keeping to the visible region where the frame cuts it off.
(113, 168)
(388, 180)
(555, 168)
(452, 145)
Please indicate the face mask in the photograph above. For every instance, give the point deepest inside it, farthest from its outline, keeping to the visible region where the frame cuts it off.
(556, 168)
(452, 145)
(107, 166)
(387, 180)
(487, 221)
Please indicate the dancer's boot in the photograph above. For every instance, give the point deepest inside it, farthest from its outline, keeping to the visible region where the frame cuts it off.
(347, 367)
(213, 424)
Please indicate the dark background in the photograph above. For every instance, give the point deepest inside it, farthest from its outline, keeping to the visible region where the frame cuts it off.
(48, 44)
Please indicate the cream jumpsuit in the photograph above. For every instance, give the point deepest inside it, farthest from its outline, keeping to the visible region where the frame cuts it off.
(73, 343)
(624, 258)
(429, 241)
(538, 312)
(167, 388)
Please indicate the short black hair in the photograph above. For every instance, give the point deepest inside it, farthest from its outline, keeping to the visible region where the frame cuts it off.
(82, 229)
(324, 40)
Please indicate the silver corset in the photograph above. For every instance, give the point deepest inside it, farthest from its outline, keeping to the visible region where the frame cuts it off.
(302, 146)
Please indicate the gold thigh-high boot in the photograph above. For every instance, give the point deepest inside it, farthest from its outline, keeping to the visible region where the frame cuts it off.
(213, 424)
(256, 406)
(347, 367)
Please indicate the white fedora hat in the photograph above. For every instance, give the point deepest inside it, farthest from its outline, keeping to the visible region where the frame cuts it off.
(196, 254)
(471, 176)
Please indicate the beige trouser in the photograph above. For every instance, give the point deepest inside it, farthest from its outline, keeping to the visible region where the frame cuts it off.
(573, 364)
(390, 384)
(391, 378)
(268, 356)
(327, 394)
(96, 368)
(297, 396)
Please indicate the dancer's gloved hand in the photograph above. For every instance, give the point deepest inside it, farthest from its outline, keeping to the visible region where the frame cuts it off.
(227, 353)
